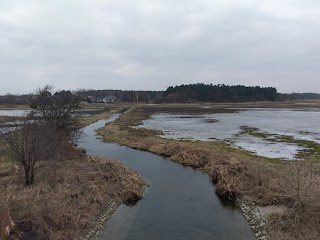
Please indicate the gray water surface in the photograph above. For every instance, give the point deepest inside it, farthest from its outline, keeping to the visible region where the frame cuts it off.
(20, 112)
(303, 125)
(13, 113)
(180, 203)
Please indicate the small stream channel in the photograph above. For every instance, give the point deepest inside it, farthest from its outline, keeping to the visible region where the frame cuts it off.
(179, 204)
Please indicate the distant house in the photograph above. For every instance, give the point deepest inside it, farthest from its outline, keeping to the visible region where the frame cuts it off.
(91, 98)
(108, 99)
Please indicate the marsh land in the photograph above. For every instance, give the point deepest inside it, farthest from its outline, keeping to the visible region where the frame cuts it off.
(71, 196)
(238, 172)
(264, 155)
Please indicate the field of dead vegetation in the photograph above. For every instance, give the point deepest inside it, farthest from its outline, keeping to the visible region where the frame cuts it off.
(68, 194)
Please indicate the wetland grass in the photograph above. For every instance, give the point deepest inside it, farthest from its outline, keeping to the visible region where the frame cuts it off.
(311, 149)
(68, 195)
(235, 173)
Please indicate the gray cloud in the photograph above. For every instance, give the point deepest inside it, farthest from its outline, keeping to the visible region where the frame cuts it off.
(148, 44)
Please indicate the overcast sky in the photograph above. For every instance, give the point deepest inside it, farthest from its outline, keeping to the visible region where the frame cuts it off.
(150, 45)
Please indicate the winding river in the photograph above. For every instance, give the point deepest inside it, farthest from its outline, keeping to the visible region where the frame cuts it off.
(179, 204)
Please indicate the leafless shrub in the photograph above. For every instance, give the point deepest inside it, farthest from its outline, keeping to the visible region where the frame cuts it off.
(302, 183)
(57, 110)
(44, 133)
(302, 221)
(31, 142)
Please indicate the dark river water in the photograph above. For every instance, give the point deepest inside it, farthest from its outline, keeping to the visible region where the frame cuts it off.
(179, 204)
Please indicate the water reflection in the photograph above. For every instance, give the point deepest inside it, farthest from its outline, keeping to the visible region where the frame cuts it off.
(179, 204)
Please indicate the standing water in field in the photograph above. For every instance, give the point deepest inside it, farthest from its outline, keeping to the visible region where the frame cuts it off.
(179, 204)
(13, 113)
(303, 125)
(19, 112)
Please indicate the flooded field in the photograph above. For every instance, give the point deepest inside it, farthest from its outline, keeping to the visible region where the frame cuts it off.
(19, 113)
(264, 132)
(13, 113)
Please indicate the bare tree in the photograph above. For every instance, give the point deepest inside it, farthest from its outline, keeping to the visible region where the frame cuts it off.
(45, 132)
(30, 142)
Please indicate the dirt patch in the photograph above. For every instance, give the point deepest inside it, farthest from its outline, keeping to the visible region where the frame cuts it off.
(268, 211)
(211, 120)
(24, 230)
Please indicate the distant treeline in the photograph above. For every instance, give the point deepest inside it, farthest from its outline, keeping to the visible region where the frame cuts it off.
(298, 96)
(15, 99)
(197, 93)
(218, 93)
(120, 95)
(179, 94)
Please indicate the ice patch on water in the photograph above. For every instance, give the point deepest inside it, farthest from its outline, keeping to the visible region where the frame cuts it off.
(268, 149)
(298, 124)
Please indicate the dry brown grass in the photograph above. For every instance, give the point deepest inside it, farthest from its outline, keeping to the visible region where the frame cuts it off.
(13, 107)
(108, 110)
(67, 196)
(302, 220)
(235, 173)
(6, 119)
(84, 121)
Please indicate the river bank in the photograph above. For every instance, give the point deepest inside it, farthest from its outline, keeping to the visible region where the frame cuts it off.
(236, 174)
(179, 203)
(254, 182)
(69, 198)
